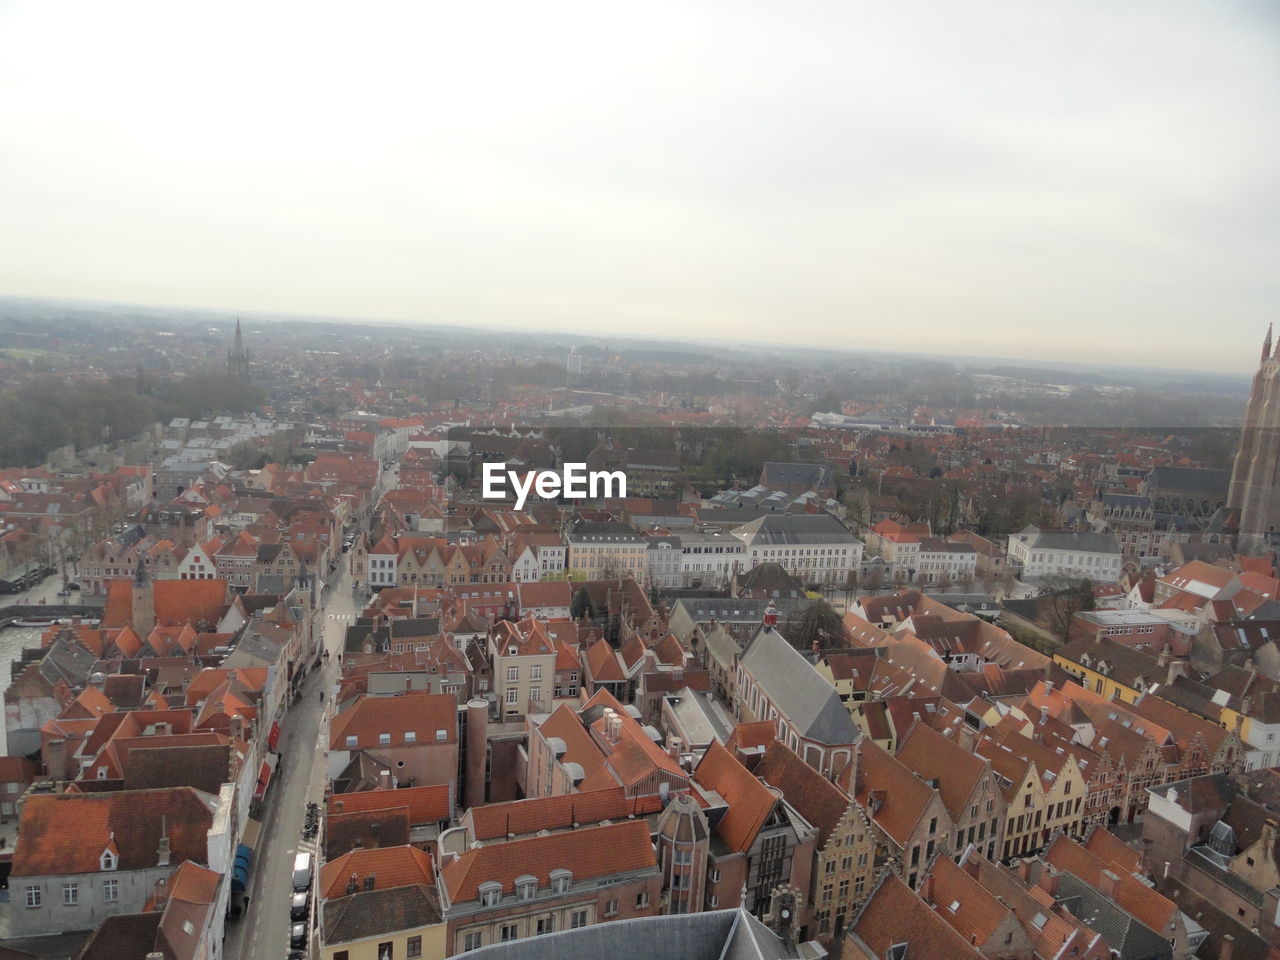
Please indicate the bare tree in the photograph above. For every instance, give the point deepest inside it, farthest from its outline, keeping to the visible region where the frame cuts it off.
(875, 580)
(850, 588)
(987, 577)
(1064, 597)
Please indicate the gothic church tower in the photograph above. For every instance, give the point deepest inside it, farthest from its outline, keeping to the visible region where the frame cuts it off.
(238, 356)
(1255, 479)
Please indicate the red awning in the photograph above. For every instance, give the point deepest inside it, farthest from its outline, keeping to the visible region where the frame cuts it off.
(264, 777)
(273, 738)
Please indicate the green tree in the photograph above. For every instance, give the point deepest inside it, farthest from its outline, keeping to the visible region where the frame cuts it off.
(581, 607)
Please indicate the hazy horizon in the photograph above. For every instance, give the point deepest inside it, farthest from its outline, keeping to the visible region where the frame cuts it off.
(250, 317)
(1083, 184)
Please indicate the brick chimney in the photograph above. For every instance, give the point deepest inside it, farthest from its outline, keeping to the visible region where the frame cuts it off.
(1048, 880)
(926, 889)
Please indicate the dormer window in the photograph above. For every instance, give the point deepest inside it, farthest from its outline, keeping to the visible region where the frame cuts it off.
(490, 894)
(526, 887)
(108, 860)
(560, 880)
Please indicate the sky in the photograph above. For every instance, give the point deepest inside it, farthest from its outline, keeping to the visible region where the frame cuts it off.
(1084, 180)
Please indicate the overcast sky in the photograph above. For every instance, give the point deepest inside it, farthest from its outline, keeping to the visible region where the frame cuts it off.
(1077, 180)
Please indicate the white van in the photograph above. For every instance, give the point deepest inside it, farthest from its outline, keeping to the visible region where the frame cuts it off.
(302, 872)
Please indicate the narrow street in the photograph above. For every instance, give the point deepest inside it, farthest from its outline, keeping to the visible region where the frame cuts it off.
(263, 930)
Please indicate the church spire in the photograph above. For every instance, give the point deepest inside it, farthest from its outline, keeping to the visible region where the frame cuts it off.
(238, 356)
(1266, 345)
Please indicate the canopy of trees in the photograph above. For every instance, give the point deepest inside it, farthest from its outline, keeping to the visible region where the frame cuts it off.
(48, 413)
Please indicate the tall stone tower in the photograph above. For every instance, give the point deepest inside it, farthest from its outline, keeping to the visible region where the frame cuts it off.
(238, 356)
(1255, 479)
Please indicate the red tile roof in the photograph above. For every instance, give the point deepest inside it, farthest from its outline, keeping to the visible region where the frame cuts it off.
(961, 901)
(389, 866)
(175, 601)
(1131, 894)
(67, 833)
(497, 820)
(900, 798)
(757, 733)
(819, 800)
(895, 915)
(602, 660)
(423, 714)
(933, 757)
(587, 854)
(425, 804)
(750, 801)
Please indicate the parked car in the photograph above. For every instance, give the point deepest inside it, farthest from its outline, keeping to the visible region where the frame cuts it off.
(298, 935)
(302, 872)
(73, 584)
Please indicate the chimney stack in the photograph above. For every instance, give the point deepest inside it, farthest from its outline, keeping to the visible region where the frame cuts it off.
(1048, 880)
(477, 746)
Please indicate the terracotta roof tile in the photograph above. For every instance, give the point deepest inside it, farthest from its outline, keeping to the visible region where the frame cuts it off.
(933, 757)
(423, 714)
(892, 795)
(390, 867)
(1131, 894)
(893, 915)
(521, 817)
(67, 833)
(750, 801)
(428, 804)
(819, 800)
(587, 854)
(963, 902)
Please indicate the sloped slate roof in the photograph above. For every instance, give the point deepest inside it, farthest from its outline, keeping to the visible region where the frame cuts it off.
(710, 935)
(379, 912)
(1123, 934)
(796, 689)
